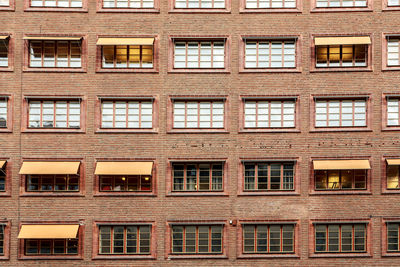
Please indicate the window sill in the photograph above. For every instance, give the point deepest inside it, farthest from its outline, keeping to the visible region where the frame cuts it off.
(338, 129)
(390, 191)
(268, 256)
(123, 194)
(7, 8)
(197, 194)
(391, 254)
(200, 10)
(197, 256)
(57, 70)
(121, 70)
(391, 8)
(24, 257)
(198, 131)
(340, 192)
(128, 10)
(268, 193)
(269, 130)
(390, 128)
(394, 68)
(8, 69)
(56, 9)
(48, 194)
(270, 70)
(340, 9)
(5, 130)
(349, 69)
(124, 257)
(341, 255)
(127, 131)
(4, 258)
(269, 10)
(63, 131)
(5, 194)
(205, 71)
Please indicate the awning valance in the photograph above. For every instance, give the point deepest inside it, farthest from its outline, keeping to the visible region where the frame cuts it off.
(348, 40)
(124, 168)
(125, 41)
(3, 37)
(52, 38)
(393, 161)
(2, 162)
(50, 167)
(48, 231)
(360, 164)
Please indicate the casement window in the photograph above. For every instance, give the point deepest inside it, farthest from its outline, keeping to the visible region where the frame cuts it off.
(196, 54)
(341, 3)
(128, 4)
(269, 113)
(268, 238)
(51, 247)
(197, 176)
(393, 237)
(263, 176)
(2, 226)
(392, 174)
(342, 52)
(56, 3)
(3, 176)
(127, 183)
(340, 238)
(340, 113)
(393, 111)
(127, 114)
(270, 4)
(199, 3)
(54, 113)
(124, 239)
(270, 54)
(197, 239)
(3, 112)
(393, 3)
(393, 51)
(4, 47)
(55, 53)
(4, 3)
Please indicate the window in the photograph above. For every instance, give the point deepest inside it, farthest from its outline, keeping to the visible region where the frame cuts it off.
(124, 239)
(340, 179)
(3, 112)
(128, 3)
(340, 113)
(270, 3)
(3, 177)
(344, 238)
(393, 54)
(199, 54)
(127, 56)
(199, 3)
(197, 239)
(52, 183)
(342, 56)
(270, 54)
(392, 173)
(263, 176)
(125, 183)
(4, 47)
(341, 3)
(393, 111)
(51, 247)
(54, 114)
(56, 3)
(392, 237)
(268, 238)
(2, 239)
(269, 113)
(197, 176)
(198, 114)
(393, 3)
(4, 3)
(55, 54)
(127, 114)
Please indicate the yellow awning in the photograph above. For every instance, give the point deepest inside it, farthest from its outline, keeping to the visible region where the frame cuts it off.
(360, 164)
(2, 162)
(3, 37)
(49, 167)
(393, 161)
(124, 168)
(55, 38)
(350, 40)
(125, 41)
(48, 231)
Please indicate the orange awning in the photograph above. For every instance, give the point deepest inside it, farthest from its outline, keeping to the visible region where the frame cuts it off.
(124, 168)
(50, 167)
(125, 41)
(48, 231)
(2, 162)
(360, 164)
(55, 38)
(3, 37)
(348, 40)
(393, 161)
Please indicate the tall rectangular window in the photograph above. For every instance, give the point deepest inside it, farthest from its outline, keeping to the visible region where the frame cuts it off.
(3, 112)
(56, 3)
(269, 113)
(198, 114)
(1, 239)
(4, 44)
(270, 3)
(124, 239)
(262, 176)
(392, 176)
(197, 176)
(392, 237)
(197, 239)
(341, 113)
(51, 247)
(55, 54)
(132, 114)
(344, 238)
(3, 176)
(393, 51)
(393, 111)
(268, 238)
(127, 56)
(52, 183)
(342, 56)
(128, 3)
(341, 3)
(54, 114)
(199, 3)
(340, 179)
(199, 54)
(268, 54)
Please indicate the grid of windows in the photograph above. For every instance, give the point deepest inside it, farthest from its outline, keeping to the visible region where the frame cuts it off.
(269, 114)
(54, 114)
(127, 56)
(197, 177)
(393, 2)
(345, 238)
(197, 239)
(4, 3)
(342, 56)
(341, 113)
(199, 3)
(393, 112)
(393, 237)
(55, 54)
(124, 239)
(268, 176)
(125, 183)
(56, 3)
(3, 179)
(128, 3)
(198, 114)
(270, 54)
(268, 238)
(3, 52)
(341, 3)
(393, 51)
(1, 239)
(3, 112)
(51, 246)
(392, 176)
(127, 114)
(199, 54)
(270, 3)
(52, 183)
(340, 179)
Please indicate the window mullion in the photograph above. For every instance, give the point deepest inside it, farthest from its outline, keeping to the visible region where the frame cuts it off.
(114, 114)
(140, 114)
(126, 114)
(68, 111)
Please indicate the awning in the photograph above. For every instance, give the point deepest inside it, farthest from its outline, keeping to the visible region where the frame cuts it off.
(124, 168)
(125, 41)
(55, 38)
(49, 167)
(48, 231)
(360, 164)
(342, 40)
(2, 162)
(393, 161)
(3, 37)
